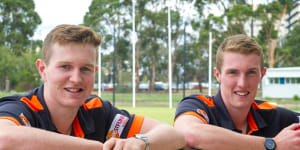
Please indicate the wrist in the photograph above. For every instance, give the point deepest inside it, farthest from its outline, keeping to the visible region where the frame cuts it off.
(143, 138)
(270, 144)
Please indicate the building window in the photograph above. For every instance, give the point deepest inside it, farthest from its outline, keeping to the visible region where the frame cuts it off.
(298, 80)
(282, 80)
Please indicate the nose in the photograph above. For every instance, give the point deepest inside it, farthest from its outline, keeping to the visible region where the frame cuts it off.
(76, 76)
(242, 81)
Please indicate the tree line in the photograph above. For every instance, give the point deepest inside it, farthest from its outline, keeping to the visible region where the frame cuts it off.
(113, 20)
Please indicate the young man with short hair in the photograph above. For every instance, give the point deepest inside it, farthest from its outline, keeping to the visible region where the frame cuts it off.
(233, 119)
(63, 115)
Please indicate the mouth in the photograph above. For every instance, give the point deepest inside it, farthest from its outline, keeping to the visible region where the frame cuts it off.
(242, 93)
(74, 90)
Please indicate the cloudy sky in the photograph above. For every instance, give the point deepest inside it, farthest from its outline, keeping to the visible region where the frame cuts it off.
(55, 12)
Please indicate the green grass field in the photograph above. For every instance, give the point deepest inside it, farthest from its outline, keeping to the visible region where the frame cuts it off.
(162, 114)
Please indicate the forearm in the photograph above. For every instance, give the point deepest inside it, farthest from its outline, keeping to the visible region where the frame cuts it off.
(22, 138)
(165, 137)
(209, 137)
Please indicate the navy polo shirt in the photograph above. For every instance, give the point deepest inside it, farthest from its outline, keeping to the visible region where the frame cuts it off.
(96, 119)
(264, 119)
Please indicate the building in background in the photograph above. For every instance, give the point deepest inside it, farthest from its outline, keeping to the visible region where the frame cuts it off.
(294, 14)
(281, 83)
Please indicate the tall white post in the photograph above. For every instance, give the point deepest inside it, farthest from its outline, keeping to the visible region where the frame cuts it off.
(99, 71)
(133, 53)
(170, 58)
(210, 65)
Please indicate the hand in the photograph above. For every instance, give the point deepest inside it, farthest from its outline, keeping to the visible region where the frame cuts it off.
(124, 144)
(288, 138)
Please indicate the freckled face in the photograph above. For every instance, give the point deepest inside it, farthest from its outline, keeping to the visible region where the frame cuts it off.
(69, 76)
(239, 78)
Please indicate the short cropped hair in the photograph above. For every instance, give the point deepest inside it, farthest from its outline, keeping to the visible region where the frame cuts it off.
(64, 34)
(239, 44)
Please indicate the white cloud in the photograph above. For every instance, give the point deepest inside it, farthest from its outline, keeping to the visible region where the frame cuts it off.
(55, 12)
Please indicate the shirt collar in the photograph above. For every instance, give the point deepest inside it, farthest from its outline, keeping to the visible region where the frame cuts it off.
(255, 120)
(45, 114)
(85, 118)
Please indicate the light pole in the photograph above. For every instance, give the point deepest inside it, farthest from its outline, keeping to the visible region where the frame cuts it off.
(170, 55)
(99, 71)
(133, 39)
(114, 66)
(184, 56)
(186, 11)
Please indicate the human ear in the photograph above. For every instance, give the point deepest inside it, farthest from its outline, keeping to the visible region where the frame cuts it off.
(217, 74)
(41, 67)
(263, 72)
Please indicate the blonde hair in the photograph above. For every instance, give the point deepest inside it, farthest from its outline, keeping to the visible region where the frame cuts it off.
(64, 34)
(240, 44)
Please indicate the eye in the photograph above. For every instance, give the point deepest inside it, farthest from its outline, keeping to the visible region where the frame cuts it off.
(65, 67)
(252, 72)
(232, 72)
(84, 69)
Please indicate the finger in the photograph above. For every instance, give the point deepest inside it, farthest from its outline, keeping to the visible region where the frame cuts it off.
(295, 126)
(101, 146)
(119, 144)
(109, 145)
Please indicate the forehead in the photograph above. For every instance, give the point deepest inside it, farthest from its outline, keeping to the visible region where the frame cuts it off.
(238, 61)
(73, 52)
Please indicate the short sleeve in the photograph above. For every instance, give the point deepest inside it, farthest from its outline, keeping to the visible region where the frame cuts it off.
(121, 123)
(193, 106)
(16, 112)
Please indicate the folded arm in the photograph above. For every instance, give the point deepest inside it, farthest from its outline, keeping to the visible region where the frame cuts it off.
(210, 137)
(14, 137)
(161, 136)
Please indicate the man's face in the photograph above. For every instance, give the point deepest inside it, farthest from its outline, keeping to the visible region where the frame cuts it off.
(239, 78)
(69, 76)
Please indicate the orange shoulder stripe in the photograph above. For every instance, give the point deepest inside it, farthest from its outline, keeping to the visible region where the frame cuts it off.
(77, 128)
(34, 103)
(252, 124)
(136, 125)
(93, 103)
(209, 101)
(264, 105)
(12, 119)
(193, 114)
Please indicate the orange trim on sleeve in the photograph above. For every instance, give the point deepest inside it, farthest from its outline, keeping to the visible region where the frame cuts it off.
(252, 124)
(193, 114)
(34, 103)
(12, 119)
(77, 128)
(209, 101)
(264, 105)
(93, 103)
(136, 125)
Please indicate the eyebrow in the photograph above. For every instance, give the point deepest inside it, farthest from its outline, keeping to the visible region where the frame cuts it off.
(66, 62)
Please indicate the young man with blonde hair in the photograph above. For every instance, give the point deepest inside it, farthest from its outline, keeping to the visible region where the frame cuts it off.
(233, 119)
(63, 115)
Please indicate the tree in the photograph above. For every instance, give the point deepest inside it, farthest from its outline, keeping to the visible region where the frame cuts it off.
(291, 48)
(8, 66)
(110, 18)
(18, 22)
(27, 76)
(271, 15)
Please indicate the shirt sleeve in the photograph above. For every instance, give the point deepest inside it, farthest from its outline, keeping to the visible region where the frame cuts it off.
(193, 106)
(121, 123)
(16, 112)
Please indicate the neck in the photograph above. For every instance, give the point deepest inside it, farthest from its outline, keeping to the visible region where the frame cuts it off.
(62, 117)
(240, 119)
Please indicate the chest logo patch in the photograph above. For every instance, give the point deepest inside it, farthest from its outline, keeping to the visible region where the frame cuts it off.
(117, 126)
(25, 120)
(203, 114)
